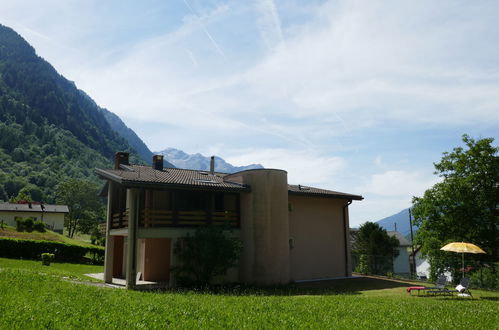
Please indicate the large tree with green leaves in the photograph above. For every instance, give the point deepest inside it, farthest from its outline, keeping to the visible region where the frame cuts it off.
(85, 206)
(375, 249)
(462, 207)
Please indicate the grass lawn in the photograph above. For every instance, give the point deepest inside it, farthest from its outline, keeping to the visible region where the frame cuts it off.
(82, 240)
(32, 296)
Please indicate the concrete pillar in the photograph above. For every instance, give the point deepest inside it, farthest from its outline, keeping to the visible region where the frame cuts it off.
(109, 251)
(132, 205)
(265, 227)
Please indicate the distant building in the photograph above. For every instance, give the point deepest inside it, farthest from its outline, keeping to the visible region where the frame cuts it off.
(51, 215)
(401, 263)
(289, 232)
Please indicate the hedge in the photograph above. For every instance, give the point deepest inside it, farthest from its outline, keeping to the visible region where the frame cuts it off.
(32, 249)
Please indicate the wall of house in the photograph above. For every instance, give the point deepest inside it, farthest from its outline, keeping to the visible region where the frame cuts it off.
(264, 226)
(155, 255)
(153, 259)
(317, 241)
(401, 262)
(53, 220)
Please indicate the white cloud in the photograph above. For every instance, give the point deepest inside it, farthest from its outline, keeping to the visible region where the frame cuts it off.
(303, 166)
(304, 100)
(399, 183)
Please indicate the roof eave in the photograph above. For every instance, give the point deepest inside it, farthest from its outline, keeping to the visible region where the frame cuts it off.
(103, 174)
(338, 196)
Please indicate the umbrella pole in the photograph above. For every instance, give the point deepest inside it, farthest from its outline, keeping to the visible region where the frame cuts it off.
(463, 263)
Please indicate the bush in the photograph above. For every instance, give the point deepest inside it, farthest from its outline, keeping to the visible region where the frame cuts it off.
(28, 224)
(25, 224)
(32, 249)
(19, 224)
(47, 258)
(362, 266)
(485, 278)
(209, 253)
(39, 226)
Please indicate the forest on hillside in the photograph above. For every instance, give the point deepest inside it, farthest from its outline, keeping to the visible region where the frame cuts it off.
(49, 130)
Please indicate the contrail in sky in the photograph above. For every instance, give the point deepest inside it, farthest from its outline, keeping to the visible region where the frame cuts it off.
(214, 43)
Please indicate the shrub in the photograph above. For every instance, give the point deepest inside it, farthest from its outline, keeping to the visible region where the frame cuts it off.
(485, 278)
(39, 226)
(19, 224)
(209, 253)
(362, 266)
(28, 224)
(47, 258)
(32, 249)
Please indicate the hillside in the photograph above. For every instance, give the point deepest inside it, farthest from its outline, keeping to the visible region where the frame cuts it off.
(45, 236)
(400, 220)
(49, 130)
(125, 132)
(199, 162)
(133, 139)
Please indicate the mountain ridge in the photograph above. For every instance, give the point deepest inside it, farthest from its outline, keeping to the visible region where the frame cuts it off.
(127, 133)
(200, 162)
(49, 130)
(400, 221)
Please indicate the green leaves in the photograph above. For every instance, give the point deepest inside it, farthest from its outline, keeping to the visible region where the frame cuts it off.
(85, 207)
(209, 253)
(375, 248)
(464, 206)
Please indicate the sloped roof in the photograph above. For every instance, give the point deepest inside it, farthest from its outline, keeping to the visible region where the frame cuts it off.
(306, 190)
(48, 208)
(140, 175)
(403, 241)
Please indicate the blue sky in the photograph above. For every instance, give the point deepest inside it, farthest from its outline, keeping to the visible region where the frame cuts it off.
(354, 96)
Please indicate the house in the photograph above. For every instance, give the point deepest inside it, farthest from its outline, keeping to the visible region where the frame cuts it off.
(51, 215)
(422, 264)
(401, 263)
(289, 232)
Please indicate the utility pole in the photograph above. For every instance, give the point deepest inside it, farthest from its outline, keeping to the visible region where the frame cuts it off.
(412, 245)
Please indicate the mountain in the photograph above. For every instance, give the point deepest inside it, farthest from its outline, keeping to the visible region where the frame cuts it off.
(127, 133)
(49, 130)
(401, 221)
(199, 162)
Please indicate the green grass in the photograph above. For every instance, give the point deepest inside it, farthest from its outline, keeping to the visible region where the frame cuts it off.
(33, 296)
(81, 240)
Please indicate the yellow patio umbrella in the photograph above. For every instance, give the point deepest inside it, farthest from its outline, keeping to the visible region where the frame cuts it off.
(461, 247)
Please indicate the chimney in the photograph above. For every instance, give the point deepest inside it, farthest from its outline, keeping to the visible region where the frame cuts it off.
(212, 165)
(157, 162)
(120, 158)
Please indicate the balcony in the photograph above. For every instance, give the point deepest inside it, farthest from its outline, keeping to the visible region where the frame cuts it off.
(151, 218)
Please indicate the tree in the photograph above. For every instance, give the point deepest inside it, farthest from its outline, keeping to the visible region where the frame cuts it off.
(22, 196)
(210, 252)
(462, 207)
(85, 207)
(375, 248)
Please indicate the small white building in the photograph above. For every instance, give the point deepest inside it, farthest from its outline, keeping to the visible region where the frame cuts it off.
(51, 215)
(401, 264)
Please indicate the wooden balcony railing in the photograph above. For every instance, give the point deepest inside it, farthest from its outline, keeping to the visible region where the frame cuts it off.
(119, 220)
(158, 218)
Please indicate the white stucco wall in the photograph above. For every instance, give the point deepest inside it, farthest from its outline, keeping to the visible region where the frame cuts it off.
(54, 221)
(401, 262)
